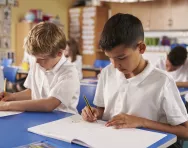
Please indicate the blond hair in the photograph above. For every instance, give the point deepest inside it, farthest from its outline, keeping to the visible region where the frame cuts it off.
(45, 38)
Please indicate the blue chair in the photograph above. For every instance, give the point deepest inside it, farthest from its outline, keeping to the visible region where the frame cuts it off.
(101, 63)
(87, 90)
(183, 99)
(6, 62)
(10, 74)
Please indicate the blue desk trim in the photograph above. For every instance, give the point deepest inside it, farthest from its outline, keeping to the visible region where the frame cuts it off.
(164, 140)
(182, 89)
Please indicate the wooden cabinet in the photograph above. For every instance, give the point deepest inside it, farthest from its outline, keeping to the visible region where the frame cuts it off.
(22, 30)
(160, 12)
(121, 8)
(143, 12)
(86, 26)
(179, 14)
(169, 15)
(157, 15)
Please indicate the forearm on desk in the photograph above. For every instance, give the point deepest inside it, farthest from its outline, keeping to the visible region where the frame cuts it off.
(180, 130)
(23, 95)
(40, 105)
(182, 84)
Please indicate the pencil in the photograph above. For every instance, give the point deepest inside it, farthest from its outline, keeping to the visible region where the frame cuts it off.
(5, 84)
(88, 105)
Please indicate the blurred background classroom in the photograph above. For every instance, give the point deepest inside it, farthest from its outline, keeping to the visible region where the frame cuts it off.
(163, 21)
(165, 24)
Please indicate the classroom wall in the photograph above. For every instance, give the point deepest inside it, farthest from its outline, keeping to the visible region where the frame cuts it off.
(54, 7)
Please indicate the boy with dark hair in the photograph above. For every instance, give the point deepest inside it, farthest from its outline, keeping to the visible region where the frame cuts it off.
(176, 64)
(131, 92)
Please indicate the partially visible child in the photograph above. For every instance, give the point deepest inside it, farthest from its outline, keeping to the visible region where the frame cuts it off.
(72, 52)
(176, 64)
(52, 82)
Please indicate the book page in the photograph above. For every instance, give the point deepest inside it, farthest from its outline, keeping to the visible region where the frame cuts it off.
(8, 113)
(96, 134)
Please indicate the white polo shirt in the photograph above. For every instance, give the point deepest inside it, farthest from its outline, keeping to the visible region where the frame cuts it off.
(78, 64)
(152, 94)
(62, 82)
(180, 75)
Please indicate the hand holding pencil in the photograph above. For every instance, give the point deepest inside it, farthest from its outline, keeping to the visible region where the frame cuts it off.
(4, 96)
(89, 113)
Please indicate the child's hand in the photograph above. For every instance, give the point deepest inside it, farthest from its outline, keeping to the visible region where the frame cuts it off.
(87, 115)
(3, 106)
(4, 96)
(125, 121)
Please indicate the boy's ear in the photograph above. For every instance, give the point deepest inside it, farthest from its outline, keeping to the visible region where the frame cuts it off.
(60, 53)
(142, 48)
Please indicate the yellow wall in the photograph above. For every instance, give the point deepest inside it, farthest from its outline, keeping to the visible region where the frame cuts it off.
(53, 7)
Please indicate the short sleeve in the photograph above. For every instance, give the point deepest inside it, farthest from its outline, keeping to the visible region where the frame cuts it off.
(99, 95)
(78, 64)
(66, 89)
(173, 106)
(28, 80)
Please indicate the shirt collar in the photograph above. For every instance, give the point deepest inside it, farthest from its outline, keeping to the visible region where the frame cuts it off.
(56, 67)
(136, 79)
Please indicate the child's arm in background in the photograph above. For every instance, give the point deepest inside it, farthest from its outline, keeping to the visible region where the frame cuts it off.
(40, 105)
(182, 84)
(23, 95)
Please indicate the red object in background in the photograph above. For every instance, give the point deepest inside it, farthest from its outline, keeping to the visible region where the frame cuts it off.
(38, 14)
(46, 17)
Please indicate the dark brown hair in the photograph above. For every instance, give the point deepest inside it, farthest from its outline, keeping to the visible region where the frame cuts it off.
(74, 49)
(121, 29)
(177, 56)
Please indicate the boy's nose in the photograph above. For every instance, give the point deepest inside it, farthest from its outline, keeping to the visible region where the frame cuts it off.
(37, 60)
(116, 64)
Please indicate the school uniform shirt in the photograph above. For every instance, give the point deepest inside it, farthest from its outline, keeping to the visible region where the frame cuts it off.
(180, 75)
(1, 80)
(152, 94)
(61, 82)
(78, 64)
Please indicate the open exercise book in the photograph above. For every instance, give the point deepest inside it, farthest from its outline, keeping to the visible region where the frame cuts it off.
(8, 113)
(74, 129)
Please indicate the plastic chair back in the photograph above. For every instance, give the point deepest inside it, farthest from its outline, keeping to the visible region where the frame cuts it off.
(6, 62)
(101, 63)
(87, 90)
(10, 73)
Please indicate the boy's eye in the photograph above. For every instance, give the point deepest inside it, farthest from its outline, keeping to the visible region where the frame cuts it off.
(42, 59)
(122, 58)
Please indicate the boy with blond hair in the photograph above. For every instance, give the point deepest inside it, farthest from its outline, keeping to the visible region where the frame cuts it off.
(52, 82)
